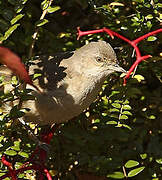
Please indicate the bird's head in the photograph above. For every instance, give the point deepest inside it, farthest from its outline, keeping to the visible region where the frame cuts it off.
(98, 57)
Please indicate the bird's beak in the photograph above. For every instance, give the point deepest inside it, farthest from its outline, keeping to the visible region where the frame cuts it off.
(117, 68)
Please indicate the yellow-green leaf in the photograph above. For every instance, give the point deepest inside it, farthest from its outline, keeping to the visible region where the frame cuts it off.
(10, 31)
(127, 107)
(143, 156)
(136, 171)
(139, 77)
(15, 19)
(53, 9)
(111, 122)
(23, 154)
(131, 163)
(159, 161)
(116, 4)
(116, 105)
(127, 113)
(123, 116)
(10, 152)
(151, 38)
(41, 22)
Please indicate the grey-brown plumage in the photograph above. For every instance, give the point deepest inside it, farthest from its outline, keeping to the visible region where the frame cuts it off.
(69, 82)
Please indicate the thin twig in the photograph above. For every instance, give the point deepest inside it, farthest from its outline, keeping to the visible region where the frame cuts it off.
(124, 171)
(37, 30)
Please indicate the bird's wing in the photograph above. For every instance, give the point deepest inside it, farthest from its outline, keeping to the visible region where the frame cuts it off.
(50, 70)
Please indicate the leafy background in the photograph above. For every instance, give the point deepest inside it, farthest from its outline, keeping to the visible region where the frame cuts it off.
(120, 135)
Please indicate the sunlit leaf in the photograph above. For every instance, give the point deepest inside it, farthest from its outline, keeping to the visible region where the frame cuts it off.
(159, 161)
(41, 22)
(112, 122)
(10, 31)
(139, 77)
(127, 113)
(116, 4)
(116, 105)
(151, 38)
(15, 19)
(53, 9)
(131, 163)
(136, 171)
(150, 16)
(114, 110)
(127, 107)
(23, 154)
(123, 117)
(10, 152)
(143, 156)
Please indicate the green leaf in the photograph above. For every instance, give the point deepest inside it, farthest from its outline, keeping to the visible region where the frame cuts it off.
(10, 152)
(159, 161)
(123, 117)
(131, 163)
(151, 38)
(36, 75)
(126, 126)
(152, 117)
(10, 31)
(114, 110)
(149, 24)
(139, 77)
(41, 22)
(1, 145)
(126, 102)
(23, 1)
(53, 9)
(136, 171)
(23, 154)
(1, 138)
(127, 113)
(127, 107)
(150, 16)
(18, 165)
(159, 5)
(16, 148)
(1, 174)
(15, 19)
(116, 105)
(143, 156)
(111, 122)
(19, 8)
(44, 4)
(116, 175)
(20, 176)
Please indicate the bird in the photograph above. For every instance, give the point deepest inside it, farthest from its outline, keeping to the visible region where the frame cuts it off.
(69, 82)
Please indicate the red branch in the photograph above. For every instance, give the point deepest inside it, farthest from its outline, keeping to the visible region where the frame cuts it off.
(133, 43)
(46, 138)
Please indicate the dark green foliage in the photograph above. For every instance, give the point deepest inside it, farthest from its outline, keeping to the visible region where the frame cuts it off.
(120, 135)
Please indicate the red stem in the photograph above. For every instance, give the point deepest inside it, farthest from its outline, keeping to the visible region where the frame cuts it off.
(147, 35)
(133, 43)
(83, 33)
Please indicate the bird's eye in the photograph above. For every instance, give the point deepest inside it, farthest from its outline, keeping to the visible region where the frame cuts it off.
(98, 59)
